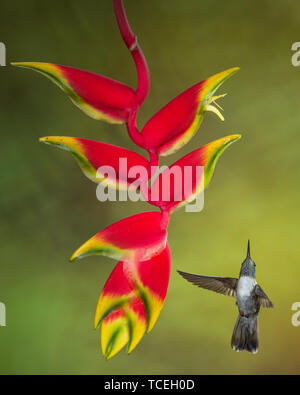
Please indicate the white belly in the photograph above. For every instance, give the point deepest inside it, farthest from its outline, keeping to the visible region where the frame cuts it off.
(245, 287)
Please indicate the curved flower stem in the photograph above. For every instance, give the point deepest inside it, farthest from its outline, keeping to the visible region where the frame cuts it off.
(131, 43)
(154, 160)
(133, 131)
(142, 91)
(165, 213)
(165, 218)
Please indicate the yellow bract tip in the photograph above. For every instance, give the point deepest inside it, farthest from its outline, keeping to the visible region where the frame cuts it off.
(91, 247)
(80, 252)
(234, 137)
(75, 256)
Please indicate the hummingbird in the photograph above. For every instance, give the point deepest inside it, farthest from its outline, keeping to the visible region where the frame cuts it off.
(250, 298)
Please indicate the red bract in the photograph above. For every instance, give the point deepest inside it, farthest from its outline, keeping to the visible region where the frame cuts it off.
(133, 296)
(189, 176)
(131, 301)
(132, 239)
(99, 97)
(175, 124)
(99, 160)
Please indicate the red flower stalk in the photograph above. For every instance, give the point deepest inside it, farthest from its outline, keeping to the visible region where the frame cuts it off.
(133, 296)
(137, 54)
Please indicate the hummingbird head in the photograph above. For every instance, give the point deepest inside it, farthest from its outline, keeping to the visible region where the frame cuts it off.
(248, 266)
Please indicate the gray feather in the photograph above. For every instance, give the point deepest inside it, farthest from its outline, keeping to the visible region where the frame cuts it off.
(222, 285)
(245, 335)
(262, 298)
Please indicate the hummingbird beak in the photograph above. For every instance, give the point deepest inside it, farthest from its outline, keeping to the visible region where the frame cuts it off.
(248, 250)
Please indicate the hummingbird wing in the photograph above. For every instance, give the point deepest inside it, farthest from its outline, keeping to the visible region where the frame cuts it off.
(263, 299)
(222, 285)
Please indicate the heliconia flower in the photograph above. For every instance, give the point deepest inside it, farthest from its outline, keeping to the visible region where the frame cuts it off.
(135, 238)
(119, 295)
(176, 123)
(152, 279)
(114, 333)
(131, 301)
(137, 318)
(99, 97)
(189, 176)
(133, 296)
(95, 158)
(118, 290)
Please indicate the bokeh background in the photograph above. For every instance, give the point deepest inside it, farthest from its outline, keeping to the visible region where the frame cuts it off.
(48, 208)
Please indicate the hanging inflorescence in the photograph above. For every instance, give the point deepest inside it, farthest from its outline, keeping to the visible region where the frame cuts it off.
(133, 296)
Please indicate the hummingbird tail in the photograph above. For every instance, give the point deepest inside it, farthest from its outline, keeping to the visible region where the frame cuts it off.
(245, 335)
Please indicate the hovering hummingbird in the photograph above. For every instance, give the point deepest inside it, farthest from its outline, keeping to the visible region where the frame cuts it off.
(250, 297)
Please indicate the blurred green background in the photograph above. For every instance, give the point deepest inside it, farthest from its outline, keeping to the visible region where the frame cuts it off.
(48, 208)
